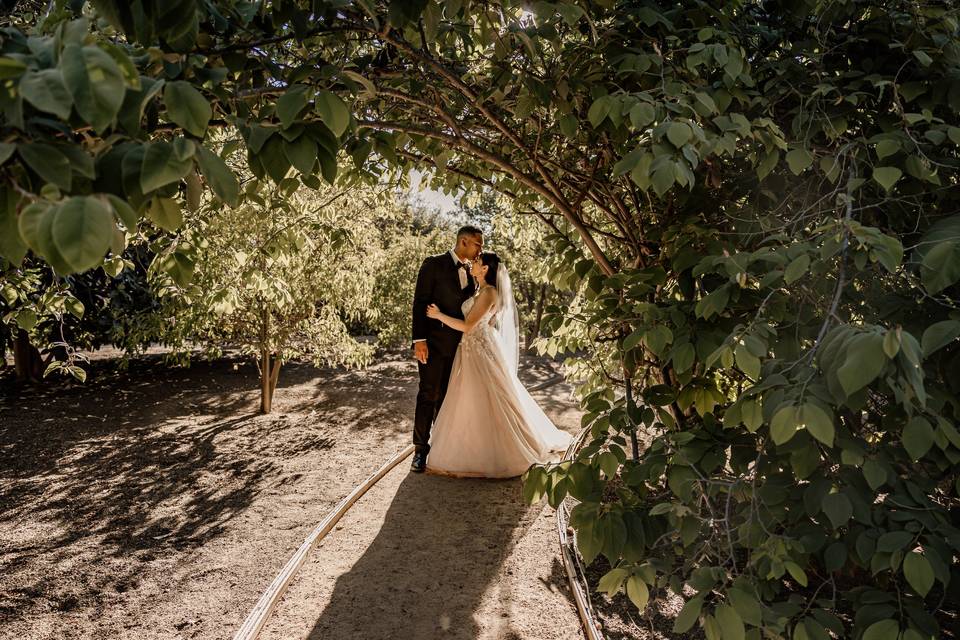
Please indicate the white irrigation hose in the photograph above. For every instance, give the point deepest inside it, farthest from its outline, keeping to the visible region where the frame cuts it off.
(268, 601)
(591, 626)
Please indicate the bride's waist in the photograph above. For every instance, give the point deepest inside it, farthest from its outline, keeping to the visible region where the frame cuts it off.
(479, 333)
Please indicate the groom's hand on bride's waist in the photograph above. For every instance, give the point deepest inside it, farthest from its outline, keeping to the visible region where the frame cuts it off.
(421, 352)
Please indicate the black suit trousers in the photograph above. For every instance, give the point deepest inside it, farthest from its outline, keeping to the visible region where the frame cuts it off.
(434, 378)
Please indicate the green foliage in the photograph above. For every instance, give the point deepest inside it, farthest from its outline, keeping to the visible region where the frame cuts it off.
(112, 305)
(283, 271)
(790, 325)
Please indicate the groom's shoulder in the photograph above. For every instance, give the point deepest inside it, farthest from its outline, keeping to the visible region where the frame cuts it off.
(436, 258)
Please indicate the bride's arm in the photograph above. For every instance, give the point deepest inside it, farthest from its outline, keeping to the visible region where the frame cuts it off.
(485, 300)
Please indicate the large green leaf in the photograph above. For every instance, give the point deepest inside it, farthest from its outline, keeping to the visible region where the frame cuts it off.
(218, 175)
(746, 605)
(939, 335)
(124, 212)
(874, 473)
(784, 424)
(612, 581)
(678, 133)
(894, 541)
(941, 266)
(796, 268)
(291, 103)
(731, 624)
(599, 110)
(798, 160)
(47, 92)
(818, 422)
(95, 82)
(35, 224)
(534, 484)
(12, 246)
(82, 229)
(658, 338)
(887, 147)
(638, 592)
(274, 159)
(883, 630)
(163, 163)
(663, 177)
(835, 557)
(642, 114)
(613, 534)
(588, 542)
(747, 361)
(918, 437)
(135, 102)
(865, 360)
(683, 357)
(187, 107)
(688, 615)
(333, 111)
(918, 572)
(838, 509)
(51, 165)
(886, 177)
(302, 153)
(165, 213)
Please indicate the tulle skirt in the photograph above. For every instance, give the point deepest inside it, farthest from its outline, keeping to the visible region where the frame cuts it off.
(489, 426)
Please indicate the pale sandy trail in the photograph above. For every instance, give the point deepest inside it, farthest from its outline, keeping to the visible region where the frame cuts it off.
(422, 556)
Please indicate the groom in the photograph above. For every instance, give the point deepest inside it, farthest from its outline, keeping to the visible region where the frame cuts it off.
(445, 281)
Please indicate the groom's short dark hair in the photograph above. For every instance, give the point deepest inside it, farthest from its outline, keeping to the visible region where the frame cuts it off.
(469, 230)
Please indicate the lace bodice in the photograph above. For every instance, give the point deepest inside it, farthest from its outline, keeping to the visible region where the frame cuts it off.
(488, 316)
(483, 335)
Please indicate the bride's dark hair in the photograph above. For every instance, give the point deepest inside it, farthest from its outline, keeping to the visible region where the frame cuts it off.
(492, 262)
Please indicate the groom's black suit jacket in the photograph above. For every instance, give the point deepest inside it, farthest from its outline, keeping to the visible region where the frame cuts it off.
(439, 283)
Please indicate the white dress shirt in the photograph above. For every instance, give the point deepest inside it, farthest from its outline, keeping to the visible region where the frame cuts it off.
(462, 273)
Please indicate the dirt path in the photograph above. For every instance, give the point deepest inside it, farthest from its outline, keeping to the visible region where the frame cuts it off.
(156, 504)
(432, 557)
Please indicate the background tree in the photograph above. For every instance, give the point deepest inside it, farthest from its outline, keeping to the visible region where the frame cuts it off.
(518, 239)
(279, 277)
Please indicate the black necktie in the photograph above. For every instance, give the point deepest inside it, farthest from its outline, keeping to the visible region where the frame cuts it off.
(462, 265)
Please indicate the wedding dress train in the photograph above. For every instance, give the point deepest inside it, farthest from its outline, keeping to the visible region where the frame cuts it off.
(489, 426)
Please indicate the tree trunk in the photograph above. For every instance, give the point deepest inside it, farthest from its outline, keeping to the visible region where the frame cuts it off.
(26, 359)
(634, 444)
(266, 395)
(4, 338)
(274, 376)
(535, 333)
(269, 374)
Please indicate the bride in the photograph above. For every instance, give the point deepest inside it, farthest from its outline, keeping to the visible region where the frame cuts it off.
(488, 425)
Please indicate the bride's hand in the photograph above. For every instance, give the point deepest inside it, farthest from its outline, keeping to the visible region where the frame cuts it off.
(433, 312)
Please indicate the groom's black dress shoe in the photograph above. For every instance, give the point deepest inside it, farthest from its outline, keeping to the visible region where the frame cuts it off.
(419, 464)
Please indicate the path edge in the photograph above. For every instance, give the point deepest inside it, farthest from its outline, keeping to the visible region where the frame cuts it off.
(571, 558)
(257, 618)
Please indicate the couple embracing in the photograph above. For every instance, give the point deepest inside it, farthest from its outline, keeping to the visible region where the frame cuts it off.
(474, 418)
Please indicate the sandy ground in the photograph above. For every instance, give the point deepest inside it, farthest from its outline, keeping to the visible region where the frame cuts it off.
(433, 557)
(155, 503)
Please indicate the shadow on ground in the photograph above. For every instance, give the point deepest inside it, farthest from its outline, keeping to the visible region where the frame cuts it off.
(151, 461)
(424, 575)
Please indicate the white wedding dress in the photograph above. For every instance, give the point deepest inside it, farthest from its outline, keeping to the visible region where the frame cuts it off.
(488, 425)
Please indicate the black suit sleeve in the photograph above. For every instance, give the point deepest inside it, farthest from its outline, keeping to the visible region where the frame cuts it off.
(421, 299)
